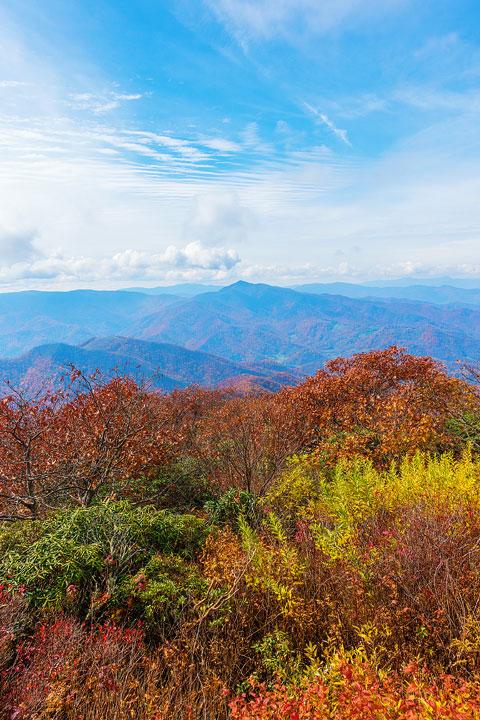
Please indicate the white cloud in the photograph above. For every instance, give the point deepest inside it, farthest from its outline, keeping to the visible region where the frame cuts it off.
(126, 96)
(129, 264)
(197, 255)
(12, 83)
(222, 145)
(250, 135)
(219, 217)
(426, 98)
(17, 247)
(409, 205)
(259, 19)
(341, 134)
(349, 272)
(413, 269)
(252, 140)
(180, 146)
(358, 106)
(195, 262)
(100, 104)
(143, 204)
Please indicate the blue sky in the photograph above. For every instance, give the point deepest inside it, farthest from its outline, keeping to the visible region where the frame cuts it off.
(212, 140)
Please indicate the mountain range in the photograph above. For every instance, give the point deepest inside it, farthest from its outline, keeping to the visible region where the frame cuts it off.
(163, 366)
(248, 335)
(442, 294)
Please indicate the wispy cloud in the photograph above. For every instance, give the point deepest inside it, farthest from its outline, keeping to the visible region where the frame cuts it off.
(341, 134)
(431, 98)
(358, 106)
(12, 84)
(222, 145)
(257, 19)
(99, 104)
(164, 209)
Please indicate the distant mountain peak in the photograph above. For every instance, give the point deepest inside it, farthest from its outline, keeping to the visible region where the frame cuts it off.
(254, 288)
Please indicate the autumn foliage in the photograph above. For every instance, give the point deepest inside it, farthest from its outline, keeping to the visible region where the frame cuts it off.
(378, 404)
(313, 553)
(69, 446)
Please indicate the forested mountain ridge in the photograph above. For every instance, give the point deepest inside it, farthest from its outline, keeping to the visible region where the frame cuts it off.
(32, 318)
(442, 294)
(252, 322)
(244, 322)
(165, 366)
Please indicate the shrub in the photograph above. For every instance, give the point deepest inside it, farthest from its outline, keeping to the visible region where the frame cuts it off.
(69, 670)
(294, 491)
(227, 508)
(354, 691)
(13, 623)
(181, 486)
(77, 557)
(164, 591)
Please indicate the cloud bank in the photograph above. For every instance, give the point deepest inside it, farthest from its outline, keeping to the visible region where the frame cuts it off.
(193, 260)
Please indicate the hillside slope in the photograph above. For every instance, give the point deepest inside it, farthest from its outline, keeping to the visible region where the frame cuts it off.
(166, 366)
(243, 323)
(257, 322)
(31, 318)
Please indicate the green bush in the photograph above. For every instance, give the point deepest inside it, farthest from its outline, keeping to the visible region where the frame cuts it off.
(164, 590)
(181, 486)
(234, 503)
(465, 428)
(78, 555)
